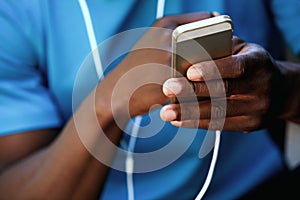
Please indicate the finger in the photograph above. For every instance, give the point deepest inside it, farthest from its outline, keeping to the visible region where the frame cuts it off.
(180, 87)
(213, 88)
(172, 21)
(236, 105)
(246, 56)
(237, 44)
(229, 67)
(177, 86)
(176, 111)
(240, 123)
(194, 111)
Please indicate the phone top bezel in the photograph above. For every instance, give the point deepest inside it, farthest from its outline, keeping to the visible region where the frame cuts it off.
(201, 25)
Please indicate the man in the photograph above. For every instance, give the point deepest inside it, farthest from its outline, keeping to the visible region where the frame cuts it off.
(43, 143)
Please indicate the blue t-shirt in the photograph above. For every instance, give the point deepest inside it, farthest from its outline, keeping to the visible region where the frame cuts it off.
(44, 43)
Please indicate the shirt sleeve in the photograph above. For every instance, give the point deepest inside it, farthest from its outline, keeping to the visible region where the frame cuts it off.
(25, 101)
(287, 17)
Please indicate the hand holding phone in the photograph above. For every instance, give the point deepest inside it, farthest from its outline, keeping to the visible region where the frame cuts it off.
(199, 41)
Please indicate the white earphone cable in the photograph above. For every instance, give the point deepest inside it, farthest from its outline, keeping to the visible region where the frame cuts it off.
(129, 163)
(211, 167)
(160, 9)
(92, 38)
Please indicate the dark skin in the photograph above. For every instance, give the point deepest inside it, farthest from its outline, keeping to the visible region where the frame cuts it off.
(55, 164)
(257, 88)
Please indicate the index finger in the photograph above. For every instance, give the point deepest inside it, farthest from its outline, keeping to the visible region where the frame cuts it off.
(172, 21)
(234, 66)
(229, 67)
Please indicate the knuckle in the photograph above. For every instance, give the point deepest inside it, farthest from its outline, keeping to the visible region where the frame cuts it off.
(198, 88)
(240, 68)
(218, 111)
(190, 112)
(160, 22)
(253, 123)
(260, 104)
(195, 123)
(238, 63)
(218, 88)
(263, 105)
(216, 124)
(227, 88)
(185, 112)
(164, 21)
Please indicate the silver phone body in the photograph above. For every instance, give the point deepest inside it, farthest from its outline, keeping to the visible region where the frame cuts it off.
(199, 41)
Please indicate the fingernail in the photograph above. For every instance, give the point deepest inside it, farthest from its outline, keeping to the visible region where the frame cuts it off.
(215, 13)
(176, 123)
(171, 88)
(168, 114)
(194, 74)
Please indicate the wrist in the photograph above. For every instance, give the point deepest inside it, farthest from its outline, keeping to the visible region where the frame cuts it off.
(290, 97)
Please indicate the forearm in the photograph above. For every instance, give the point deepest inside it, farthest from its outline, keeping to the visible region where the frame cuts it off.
(63, 169)
(290, 91)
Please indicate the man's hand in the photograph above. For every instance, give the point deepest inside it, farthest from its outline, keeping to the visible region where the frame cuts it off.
(245, 81)
(135, 85)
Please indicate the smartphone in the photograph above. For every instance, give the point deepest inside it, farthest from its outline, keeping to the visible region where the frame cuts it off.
(199, 41)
